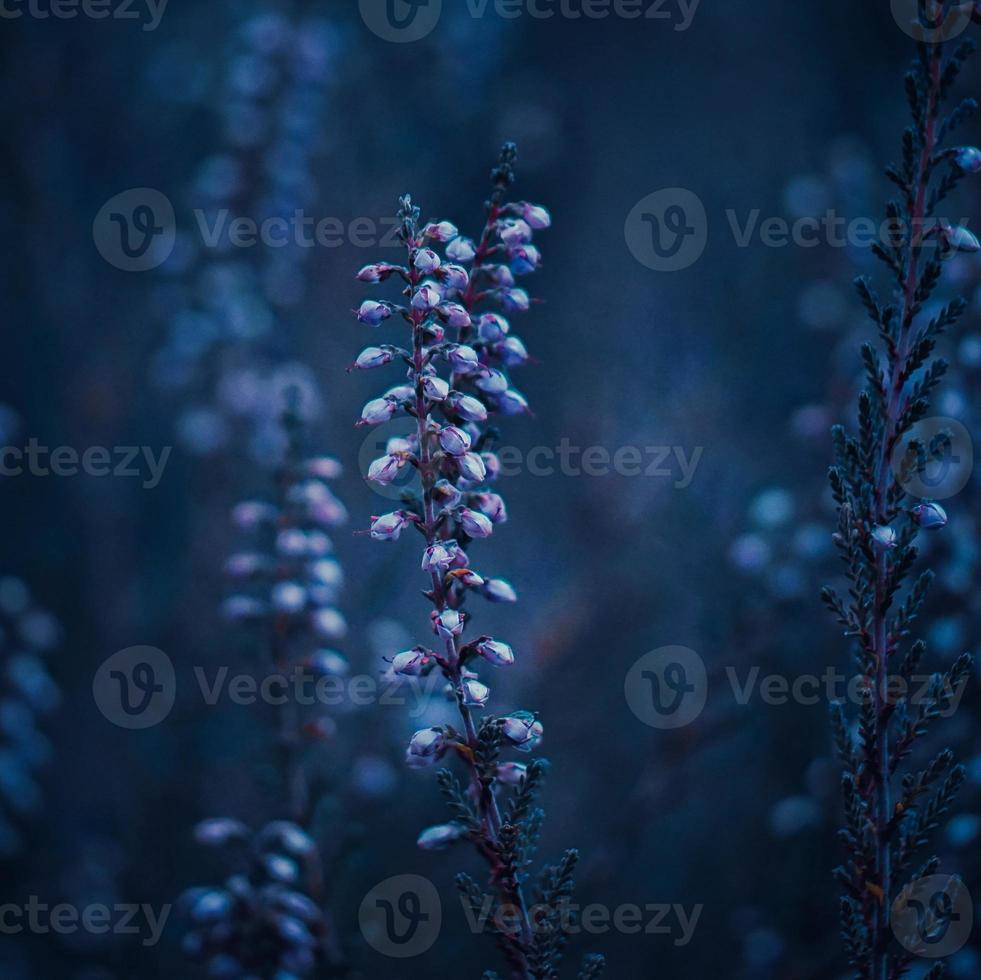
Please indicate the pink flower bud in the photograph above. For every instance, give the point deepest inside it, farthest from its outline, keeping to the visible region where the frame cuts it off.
(494, 652)
(372, 357)
(384, 469)
(378, 410)
(536, 216)
(427, 261)
(427, 298)
(492, 504)
(522, 730)
(435, 389)
(373, 313)
(448, 623)
(499, 590)
(516, 301)
(441, 231)
(514, 231)
(411, 663)
(463, 359)
(471, 468)
(454, 440)
(454, 315)
(475, 694)
(475, 524)
(389, 527)
(461, 250)
(467, 407)
(440, 836)
(492, 327)
(454, 277)
(425, 748)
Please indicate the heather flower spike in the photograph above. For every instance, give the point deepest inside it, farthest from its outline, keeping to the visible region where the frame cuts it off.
(268, 919)
(890, 809)
(458, 298)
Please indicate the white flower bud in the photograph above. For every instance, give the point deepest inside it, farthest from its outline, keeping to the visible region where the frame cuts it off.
(522, 730)
(492, 327)
(378, 410)
(511, 773)
(377, 272)
(467, 407)
(329, 663)
(884, 536)
(455, 315)
(512, 352)
(454, 440)
(514, 231)
(448, 623)
(288, 597)
(427, 298)
(475, 694)
(475, 524)
(372, 357)
(463, 359)
(384, 469)
(512, 402)
(440, 836)
(427, 261)
(446, 495)
(389, 527)
(536, 216)
(471, 467)
(441, 231)
(516, 301)
(373, 313)
(492, 504)
(499, 590)
(461, 250)
(329, 624)
(425, 748)
(435, 389)
(454, 277)
(410, 663)
(492, 381)
(439, 556)
(495, 652)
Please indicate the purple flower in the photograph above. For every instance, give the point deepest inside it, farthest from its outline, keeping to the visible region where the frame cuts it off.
(515, 231)
(495, 652)
(455, 315)
(463, 359)
(439, 556)
(426, 747)
(427, 298)
(445, 495)
(378, 410)
(968, 159)
(492, 327)
(289, 597)
(384, 469)
(512, 402)
(471, 468)
(252, 514)
(536, 216)
(373, 313)
(461, 250)
(511, 773)
(411, 663)
(389, 527)
(373, 357)
(378, 272)
(454, 440)
(516, 301)
(492, 504)
(467, 407)
(427, 261)
(454, 277)
(930, 515)
(435, 389)
(885, 536)
(448, 623)
(474, 524)
(525, 259)
(441, 231)
(475, 694)
(522, 730)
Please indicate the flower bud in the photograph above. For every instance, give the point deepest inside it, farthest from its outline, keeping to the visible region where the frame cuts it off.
(536, 216)
(445, 495)
(425, 748)
(288, 597)
(384, 469)
(427, 298)
(511, 773)
(378, 410)
(516, 301)
(389, 527)
(328, 663)
(968, 159)
(434, 388)
(471, 467)
(514, 231)
(461, 250)
(219, 831)
(492, 504)
(454, 277)
(439, 556)
(441, 231)
(475, 694)
(495, 652)
(492, 327)
(463, 359)
(492, 465)
(427, 261)
(467, 407)
(492, 381)
(377, 272)
(885, 536)
(499, 590)
(454, 440)
(512, 402)
(524, 259)
(242, 608)
(327, 572)
(373, 313)
(455, 315)
(956, 238)
(245, 565)
(930, 515)
(410, 663)
(512, 352)
(323, 467)
(500, 276)
(448, 623)
(372, 357)
(440, 836)
(466, 577)
(475, 524)
(522, 730)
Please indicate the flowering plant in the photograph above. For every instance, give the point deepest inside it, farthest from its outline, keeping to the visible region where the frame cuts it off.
(879, 519)
(458, 293)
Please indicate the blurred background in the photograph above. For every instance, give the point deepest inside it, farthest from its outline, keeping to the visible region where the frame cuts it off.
(738, 363)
